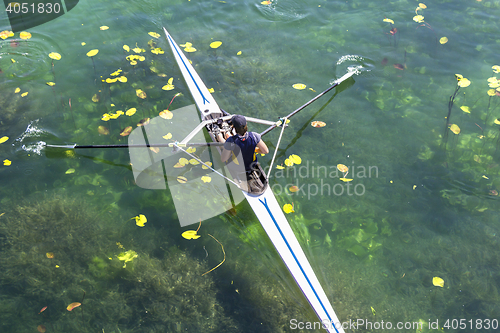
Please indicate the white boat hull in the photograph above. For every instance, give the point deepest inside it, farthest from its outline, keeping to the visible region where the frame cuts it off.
(268, 211)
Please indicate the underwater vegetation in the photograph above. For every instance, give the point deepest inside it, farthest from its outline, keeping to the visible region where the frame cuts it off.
(56, 249)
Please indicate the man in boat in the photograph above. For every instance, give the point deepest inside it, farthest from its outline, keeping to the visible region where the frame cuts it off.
(243, 141)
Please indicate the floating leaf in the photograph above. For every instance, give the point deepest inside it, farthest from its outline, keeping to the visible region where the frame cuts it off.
(207, 163)
(24, 94)
(24, 35)
(318, 124)
(154, 34)
(131, 112)
(190, 234)
(73, 305)
(438, 282)
(388, 20)
(465, 109)
(239, 53)
(13, 61)
(193, 162)
(92, 53)
(126, 48)
(140, 220)
(6, 34)
(280, 167)
(455, 129)
(183, 161)
(169, 86)
(43, 309)
(191, 150)
(167, 136)
(41, 329)
(126, 131)
(497, 121)
(295, 159)
(190, 49)
(178, 165)
(206, 179)
(288, 209)
(346, 180)
(496, 69)
(49, 255)
(211, 90)
(293, 189)
(104, 27)
(55, 56)
(443, 40)
(491, 92)
(102, 130)
(143, 122)
(17, 90)
(140, 93)
(182, 179)
(126, 257)
(399, 66)
(7, 162)
(215, 45)
(418, 18)
(422, 5)
(50, 84)
(4, 139)
(288, 162)
(166, 114)
(95, 98)
(70, 171)
(299, 86)
(122, 79)
(342, 168)
(83, 43)
(157, 50)
(464, 82)
(110, 80)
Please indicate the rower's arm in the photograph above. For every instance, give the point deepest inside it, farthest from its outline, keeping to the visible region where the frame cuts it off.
(262, 147)
(225, 154)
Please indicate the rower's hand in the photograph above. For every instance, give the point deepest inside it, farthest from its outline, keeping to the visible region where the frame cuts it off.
(257, 150)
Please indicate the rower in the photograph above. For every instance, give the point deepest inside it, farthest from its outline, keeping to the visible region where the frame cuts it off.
(243, 141)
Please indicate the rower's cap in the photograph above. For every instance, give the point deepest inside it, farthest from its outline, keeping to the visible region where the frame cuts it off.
(238, 121)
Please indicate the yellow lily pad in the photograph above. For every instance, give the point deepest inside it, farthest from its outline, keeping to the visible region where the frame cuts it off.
(295, 159)
(455, 129)
(190, 234)
(288, 208)
(438, 282)
(131, 112)
(443, 40)
(154, 34)
(54, 55)
(167, 136)
(215, 45)
(465, 109)
(92, 53)
(140, 220)
(206, 179)
(299, 86)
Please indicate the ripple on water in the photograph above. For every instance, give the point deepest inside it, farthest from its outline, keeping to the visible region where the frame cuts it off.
(29, 58)
(283, 11)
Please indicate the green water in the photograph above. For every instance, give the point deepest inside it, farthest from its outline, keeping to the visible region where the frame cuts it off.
(429, 207)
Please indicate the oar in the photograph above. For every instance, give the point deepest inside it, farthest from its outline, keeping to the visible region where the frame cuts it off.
(159, 145)
(337, 82)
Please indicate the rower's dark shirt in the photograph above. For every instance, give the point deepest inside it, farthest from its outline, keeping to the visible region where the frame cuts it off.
(246, 144)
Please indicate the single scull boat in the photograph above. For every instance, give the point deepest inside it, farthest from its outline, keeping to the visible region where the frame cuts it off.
(259, 195)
